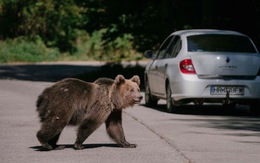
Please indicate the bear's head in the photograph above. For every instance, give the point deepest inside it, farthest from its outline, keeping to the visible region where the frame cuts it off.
(126, 92)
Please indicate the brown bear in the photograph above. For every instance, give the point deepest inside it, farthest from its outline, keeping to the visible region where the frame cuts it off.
(88, 105)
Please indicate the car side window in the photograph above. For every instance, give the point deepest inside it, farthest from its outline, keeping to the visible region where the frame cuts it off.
(177, 48)
(174, 47)
(164, 48)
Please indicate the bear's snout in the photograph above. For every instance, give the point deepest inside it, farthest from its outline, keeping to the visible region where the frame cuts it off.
(138, 99)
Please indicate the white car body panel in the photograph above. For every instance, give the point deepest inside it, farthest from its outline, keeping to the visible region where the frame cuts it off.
(212, 69)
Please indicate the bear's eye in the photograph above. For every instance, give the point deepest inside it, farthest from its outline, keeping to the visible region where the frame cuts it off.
(132, 90)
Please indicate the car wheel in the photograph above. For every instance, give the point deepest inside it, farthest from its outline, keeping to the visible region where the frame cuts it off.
(170, 106)
(149, 99)
(254, 109)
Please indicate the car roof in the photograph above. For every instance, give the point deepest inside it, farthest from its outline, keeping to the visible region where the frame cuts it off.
(204, 31)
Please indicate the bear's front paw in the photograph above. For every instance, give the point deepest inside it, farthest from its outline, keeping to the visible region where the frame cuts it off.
(131, 146)
(128, 145)
(78, 147)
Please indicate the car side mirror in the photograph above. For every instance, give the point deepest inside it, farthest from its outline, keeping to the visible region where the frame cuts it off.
(148, 54)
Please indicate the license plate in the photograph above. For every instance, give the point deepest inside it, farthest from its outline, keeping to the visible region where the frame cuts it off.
(222, 90)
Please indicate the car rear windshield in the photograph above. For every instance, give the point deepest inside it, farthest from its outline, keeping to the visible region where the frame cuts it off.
(220, 43)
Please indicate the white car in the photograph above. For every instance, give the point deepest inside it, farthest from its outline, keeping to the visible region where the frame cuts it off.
(204, 66)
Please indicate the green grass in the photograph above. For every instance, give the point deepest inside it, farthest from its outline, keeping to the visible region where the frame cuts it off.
(24, 50)
(87, 47)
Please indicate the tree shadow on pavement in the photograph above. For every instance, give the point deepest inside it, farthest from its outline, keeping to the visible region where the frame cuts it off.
(55, 72)
(111, 70)
(43, 72)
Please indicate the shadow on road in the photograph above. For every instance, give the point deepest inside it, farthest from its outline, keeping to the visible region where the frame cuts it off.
(43, 72)
(216, 116)
(55, 72)
(208, 110)
(71, 146)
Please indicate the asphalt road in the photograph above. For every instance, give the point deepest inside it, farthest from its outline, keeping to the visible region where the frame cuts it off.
(48, 71)
(208, 134)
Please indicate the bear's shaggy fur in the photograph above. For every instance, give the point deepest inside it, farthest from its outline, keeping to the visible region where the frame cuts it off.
(88, 105)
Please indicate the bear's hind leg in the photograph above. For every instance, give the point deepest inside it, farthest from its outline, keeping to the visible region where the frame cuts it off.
(48, 136)
(43, 139)
(86, 128)
(53, 142)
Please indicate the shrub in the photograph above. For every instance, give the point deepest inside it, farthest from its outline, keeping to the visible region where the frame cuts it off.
(22, 49)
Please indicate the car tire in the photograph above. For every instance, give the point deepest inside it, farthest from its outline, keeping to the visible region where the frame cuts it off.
(150, 101)
(254, 108)
(170, 106)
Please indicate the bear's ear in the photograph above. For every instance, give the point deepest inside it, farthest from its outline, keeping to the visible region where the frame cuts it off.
(135, 79)
(120, 79)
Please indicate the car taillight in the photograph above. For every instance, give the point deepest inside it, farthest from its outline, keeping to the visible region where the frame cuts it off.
(187, 67)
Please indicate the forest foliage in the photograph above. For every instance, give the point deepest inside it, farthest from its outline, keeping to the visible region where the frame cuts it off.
(111, 30)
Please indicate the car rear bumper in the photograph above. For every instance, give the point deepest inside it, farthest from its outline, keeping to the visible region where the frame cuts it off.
(191, 87)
